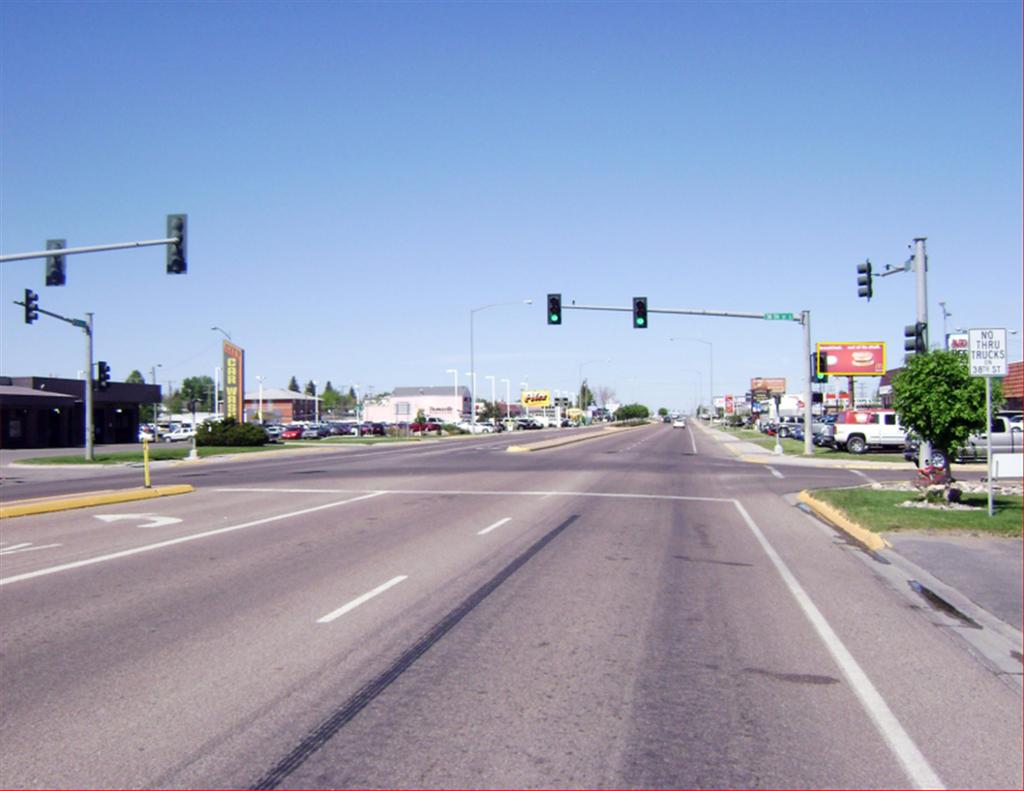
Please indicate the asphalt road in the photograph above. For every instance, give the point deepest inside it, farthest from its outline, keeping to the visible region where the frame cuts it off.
(640, 610)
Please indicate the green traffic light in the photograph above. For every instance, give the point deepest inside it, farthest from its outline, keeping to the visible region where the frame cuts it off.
(639, 321)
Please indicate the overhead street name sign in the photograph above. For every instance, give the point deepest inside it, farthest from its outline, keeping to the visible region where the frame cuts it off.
(987, 349)
(778, 316)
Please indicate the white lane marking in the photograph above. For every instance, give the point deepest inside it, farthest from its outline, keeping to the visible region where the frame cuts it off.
(896, 738)
(487, 493)
(863, 475)
(152, 520)
(774, 472)
(361, 599)
(693, 440)
(26, 548)
(180, 540)
(495, 526)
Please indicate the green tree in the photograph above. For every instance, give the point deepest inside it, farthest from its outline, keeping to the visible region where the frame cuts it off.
(662, 411)
(199, 388)
(146, 411)
(330, 400)
(937, 398)
(586, 395)
(310, 388)
(293, 385)
(632, 412)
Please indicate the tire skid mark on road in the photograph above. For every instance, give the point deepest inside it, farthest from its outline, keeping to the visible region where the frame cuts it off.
(365, 696)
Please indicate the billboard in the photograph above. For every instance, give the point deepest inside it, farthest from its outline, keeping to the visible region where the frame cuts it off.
(854, 359)
(957, 342)
(536, 399)
(234, 381)
(776, 385)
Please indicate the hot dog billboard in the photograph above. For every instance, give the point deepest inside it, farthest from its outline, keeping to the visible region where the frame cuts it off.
(853, 359)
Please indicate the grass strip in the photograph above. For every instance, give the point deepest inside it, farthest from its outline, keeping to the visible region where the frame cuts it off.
(155, 454)
(879, 512)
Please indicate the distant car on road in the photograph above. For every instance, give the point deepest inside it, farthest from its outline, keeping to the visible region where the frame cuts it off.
(679, 422)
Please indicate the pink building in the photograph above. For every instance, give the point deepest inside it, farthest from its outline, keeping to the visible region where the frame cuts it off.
(402, 406)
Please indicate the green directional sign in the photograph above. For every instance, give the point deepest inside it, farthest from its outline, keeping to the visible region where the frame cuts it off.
(778, 316)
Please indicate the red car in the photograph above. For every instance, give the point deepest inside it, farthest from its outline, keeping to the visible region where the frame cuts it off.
(292, 432)
(428, 425)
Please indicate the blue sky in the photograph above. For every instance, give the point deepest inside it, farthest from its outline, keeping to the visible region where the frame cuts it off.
(358, 177)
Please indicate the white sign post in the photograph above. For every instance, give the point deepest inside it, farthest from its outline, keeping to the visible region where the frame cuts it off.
(987, 349)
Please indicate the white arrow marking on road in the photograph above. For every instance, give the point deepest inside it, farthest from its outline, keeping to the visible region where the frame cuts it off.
(154, 520)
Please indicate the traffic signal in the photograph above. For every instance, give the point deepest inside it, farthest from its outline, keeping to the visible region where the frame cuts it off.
(640, 313)
(31, 306)
(102, 375)
(55, 264)
(554, 308)
(915, 338)
(819, 368)
(176, 251)
(864, 286)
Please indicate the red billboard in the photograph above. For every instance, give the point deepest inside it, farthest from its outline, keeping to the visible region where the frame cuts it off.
(853, 359)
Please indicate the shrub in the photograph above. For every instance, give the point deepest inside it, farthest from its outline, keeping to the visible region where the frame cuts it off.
(230, 432)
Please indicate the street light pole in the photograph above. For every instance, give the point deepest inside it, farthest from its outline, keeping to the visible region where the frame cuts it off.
(508, 399)
(472, 362)
(494, 401)
(260, 408)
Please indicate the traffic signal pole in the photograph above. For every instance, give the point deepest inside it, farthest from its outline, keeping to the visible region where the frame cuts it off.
(86, 327)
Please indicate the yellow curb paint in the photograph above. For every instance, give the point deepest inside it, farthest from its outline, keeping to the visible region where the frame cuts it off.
(839, 519)
(29, 508)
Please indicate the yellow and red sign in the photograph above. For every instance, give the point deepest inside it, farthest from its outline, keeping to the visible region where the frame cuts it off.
(234, 381)
(776, 385)
(853, 359)
(536, 399)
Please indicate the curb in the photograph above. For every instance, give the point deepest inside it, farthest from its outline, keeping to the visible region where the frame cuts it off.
(860, 534)
(557, 443)
(46, 506)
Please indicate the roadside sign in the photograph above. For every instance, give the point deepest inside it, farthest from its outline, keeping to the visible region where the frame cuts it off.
(853, 359)
(778, 316)
(987, 349)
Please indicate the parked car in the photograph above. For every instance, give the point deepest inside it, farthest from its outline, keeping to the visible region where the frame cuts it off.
(858, 430)
(147, 434)
(373, 430)
(430, 425)
(292, 432)
(1007, 437)
(179, 434)
(311, 432)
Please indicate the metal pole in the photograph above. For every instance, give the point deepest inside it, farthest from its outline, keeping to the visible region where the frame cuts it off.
(805, 317)
(472, 368)
(508, 396)
(216, 391)
(921, 277)
(88, 388)
(93, 249)
(988, 439)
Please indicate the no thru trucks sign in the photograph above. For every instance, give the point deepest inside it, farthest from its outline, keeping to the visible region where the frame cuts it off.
(988, 352)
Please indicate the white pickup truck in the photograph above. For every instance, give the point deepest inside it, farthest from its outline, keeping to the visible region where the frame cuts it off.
(858, 430)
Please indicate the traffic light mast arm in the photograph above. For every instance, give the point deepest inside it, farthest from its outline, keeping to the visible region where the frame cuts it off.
(94, 249)
(73, 322)
(676, 311)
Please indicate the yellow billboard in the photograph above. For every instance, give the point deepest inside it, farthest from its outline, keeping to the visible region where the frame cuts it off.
(535, 399)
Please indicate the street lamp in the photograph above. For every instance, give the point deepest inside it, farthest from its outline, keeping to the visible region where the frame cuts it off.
(225, 332)
(260, 408)
(508, 399)
(494, 399)
(316, 404)
(156, 406)
(455, 385)
(472, 363)
(711, 365)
